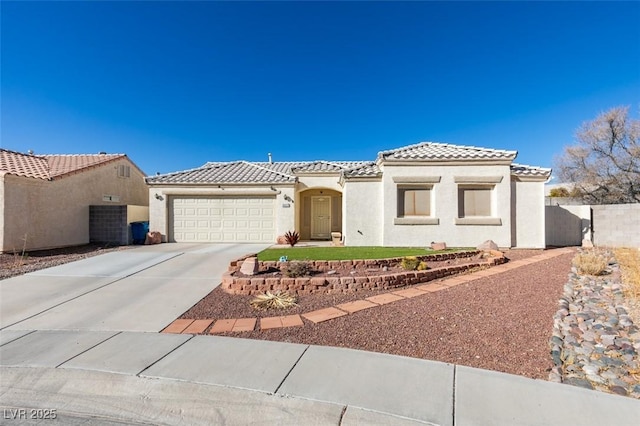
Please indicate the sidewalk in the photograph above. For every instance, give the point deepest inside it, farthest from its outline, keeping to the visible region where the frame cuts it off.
(158, 378)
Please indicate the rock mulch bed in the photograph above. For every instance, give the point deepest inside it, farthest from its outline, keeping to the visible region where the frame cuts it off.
(595, 344)
(12, 265)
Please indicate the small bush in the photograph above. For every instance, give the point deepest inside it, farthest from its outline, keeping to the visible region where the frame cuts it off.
(411, 263)
(591, 263)
(298, 269)
(275, 300)
(292, 238)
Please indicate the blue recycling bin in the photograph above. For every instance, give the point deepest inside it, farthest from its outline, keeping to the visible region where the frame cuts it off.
(139, 232)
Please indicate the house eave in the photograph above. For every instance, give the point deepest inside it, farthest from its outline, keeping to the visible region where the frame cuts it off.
(461, 162)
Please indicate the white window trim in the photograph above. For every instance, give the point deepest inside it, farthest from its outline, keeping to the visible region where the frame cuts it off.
(418, 183)
(492, 220)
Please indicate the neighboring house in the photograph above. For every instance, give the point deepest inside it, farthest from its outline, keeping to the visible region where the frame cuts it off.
(45, 199)
(408, 196)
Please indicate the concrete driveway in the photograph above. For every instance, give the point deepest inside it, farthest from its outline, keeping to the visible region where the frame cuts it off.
(141, 289)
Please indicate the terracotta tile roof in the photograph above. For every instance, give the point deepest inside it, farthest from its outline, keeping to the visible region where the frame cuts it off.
(432, 151)
(25, 165)
(529, 171)
(50, 166)
(60, 165)
(245, 172)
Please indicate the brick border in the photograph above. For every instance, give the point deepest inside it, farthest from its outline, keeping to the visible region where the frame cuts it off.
(261, 283)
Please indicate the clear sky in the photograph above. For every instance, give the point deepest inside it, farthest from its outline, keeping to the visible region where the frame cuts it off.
(175, 85)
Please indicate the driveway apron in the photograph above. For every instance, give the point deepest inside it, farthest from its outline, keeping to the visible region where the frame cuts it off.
(141, 289)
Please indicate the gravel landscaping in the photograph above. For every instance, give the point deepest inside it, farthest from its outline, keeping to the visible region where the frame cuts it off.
(502, 322)
(12, 265)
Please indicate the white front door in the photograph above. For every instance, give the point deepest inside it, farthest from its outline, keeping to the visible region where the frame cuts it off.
(320, 218)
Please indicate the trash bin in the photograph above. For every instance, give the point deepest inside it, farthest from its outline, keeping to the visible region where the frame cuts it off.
(139, 232)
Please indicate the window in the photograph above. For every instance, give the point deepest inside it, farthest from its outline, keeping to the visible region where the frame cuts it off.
(414, 202)
(475, 205)
(124, 171)
(414, 206)
(474, 201)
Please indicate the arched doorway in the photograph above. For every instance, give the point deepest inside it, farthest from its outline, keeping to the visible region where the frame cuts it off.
(320, 213)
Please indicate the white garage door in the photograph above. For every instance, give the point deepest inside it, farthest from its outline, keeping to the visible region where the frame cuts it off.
(223, 219)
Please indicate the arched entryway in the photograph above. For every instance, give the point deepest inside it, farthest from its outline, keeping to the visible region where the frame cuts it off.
(319, 214)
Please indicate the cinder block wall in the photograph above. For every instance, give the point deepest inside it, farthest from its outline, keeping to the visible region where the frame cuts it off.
(616, 225)
(108, 224)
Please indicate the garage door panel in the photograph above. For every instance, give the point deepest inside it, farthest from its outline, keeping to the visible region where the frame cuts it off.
(223, 219)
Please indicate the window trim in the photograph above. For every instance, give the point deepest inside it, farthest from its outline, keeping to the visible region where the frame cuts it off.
(492, 219)
(403, 219)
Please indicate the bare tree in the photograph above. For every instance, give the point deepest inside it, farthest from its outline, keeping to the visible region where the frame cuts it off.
(604, 164)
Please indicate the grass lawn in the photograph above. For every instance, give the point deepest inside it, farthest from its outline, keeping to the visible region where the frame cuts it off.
(344, 253)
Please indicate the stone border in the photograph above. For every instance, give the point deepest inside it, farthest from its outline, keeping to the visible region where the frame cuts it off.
(307, 285)
(594, 343)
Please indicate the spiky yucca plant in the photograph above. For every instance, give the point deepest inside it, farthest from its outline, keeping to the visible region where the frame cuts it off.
(292, 238)
(277, 300)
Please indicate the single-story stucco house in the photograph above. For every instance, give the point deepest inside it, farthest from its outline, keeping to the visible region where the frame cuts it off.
(45, 199)
(409, 196)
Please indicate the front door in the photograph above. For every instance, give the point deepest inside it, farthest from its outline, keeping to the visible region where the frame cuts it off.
(320, 218)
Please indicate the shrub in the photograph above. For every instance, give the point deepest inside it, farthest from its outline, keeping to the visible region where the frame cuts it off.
(275, 300)
(591, 263)
(292, 238)
(412, 263)
(298, 269)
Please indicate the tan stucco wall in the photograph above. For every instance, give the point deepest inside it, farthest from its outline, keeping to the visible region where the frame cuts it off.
(362, 213)
(529, 220)
(56, 213)
(2, 209)
(137, 213)
(445, 207)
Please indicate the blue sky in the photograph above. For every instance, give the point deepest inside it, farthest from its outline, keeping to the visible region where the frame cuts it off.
(174, 85)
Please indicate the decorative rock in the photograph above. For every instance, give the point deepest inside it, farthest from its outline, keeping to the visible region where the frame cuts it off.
(597, 340)
(488, 245)
(619, 390)
(438, 246)
(250, 266)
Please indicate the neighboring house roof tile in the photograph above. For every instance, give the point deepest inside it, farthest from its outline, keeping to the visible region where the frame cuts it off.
(524, 170)
(50, 166)
(60, 165)
(25, 165)
(432, 151)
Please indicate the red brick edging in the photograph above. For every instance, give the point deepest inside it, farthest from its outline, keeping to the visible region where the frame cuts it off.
(307, 285)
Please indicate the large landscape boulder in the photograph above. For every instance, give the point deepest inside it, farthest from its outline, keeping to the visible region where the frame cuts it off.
(250, 266)
(488, 246)
(438, 246)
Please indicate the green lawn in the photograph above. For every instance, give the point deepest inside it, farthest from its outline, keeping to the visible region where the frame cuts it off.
(344, 253)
